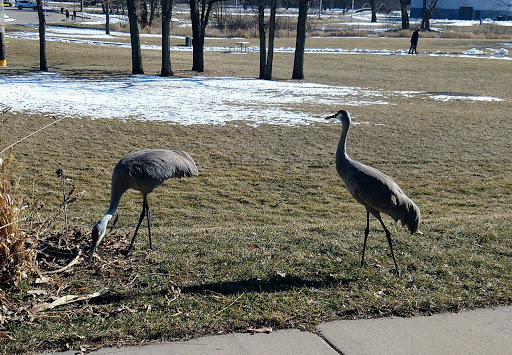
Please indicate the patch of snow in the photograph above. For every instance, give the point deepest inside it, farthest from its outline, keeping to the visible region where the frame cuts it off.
(474, 51)
(198, 100)
(446, 98)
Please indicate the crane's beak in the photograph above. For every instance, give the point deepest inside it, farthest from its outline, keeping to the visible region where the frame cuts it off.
(95, 242)
(331, 116)
(91, 253)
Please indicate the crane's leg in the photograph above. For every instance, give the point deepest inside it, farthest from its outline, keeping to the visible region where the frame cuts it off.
(142, 214)
(388, 237)
(366, 231)
(148, 214)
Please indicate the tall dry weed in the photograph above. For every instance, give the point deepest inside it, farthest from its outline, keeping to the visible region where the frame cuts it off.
(17, 248)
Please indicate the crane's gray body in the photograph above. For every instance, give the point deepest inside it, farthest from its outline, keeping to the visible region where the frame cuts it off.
(143, 171)
(376, 191)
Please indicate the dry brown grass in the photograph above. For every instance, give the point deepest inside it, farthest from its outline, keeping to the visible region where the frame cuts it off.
(17, 253)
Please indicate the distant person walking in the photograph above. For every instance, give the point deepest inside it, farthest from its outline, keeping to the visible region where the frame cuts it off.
(67, 15)
(414, 42)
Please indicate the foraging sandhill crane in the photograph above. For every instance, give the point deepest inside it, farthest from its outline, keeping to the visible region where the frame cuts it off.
(377, 192)
(142, 171)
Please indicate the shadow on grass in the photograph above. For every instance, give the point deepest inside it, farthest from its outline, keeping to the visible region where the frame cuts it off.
(273, 283)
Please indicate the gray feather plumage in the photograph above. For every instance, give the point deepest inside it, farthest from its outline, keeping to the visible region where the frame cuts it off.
(145, 170)
(376, 191)
(379, 193)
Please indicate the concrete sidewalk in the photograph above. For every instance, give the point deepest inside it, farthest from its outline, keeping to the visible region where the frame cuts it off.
(482, 331)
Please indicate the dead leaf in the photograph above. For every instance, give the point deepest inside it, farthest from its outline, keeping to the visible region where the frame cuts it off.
(265, 330)
(42, 280)
(37, 292)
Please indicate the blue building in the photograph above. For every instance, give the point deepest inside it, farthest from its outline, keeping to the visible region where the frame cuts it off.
(466, 9)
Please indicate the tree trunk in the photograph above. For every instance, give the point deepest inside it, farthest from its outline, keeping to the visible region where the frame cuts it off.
(43, 64)
(263, 42)
(374, 10)
(107, 18)
(271, 35)
(134, 37)
(300, 42)
(405, 15)
(143, 14)
(427, 12)
(425, 22)
(166, 39)
(197, 41)
(152, 11)
(197, 46)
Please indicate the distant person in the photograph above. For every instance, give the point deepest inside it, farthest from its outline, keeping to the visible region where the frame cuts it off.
(74, 14)
(414, 41)
(67, 15)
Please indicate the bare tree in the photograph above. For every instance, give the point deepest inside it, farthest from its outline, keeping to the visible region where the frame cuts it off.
(263, 38)
(271, 35)
(43, 63)
(405, 15)
(166, 45)
(199, 15)
(428, 8)
(106, 8)
(152, 11)
(300, 41)
(374, 10)
(506, 2)
(143, 6)
(134, 38)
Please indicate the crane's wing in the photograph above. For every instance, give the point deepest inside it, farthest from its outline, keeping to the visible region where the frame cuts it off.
(377, 191)
(146, 169)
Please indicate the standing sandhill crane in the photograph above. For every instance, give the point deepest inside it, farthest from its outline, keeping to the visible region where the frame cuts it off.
(376, 191)
(142, 171)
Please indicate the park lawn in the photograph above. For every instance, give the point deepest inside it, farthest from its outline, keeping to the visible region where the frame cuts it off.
(267, 235)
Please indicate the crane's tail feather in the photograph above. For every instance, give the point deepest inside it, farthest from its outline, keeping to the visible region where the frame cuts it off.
(191, 168)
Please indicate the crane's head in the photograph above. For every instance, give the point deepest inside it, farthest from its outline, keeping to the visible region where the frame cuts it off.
(97, 234)
(341, 115)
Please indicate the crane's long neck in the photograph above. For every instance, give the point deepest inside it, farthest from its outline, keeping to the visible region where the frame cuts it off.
(341, 151)
(98, 231)
(115, 197)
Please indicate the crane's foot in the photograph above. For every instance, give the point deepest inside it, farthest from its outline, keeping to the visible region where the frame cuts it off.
(398, 273)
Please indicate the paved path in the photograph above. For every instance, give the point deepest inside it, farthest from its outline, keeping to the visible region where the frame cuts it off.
(482, 331)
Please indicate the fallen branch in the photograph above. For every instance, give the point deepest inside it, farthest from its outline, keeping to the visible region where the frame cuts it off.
(229, 305)
(73, 262)
(73, 298)
(263, 330)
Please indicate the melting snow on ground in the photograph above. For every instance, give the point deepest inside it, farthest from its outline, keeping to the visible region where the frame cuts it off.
(199, 100)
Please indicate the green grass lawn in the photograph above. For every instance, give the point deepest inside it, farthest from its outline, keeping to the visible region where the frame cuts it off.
(267, 234)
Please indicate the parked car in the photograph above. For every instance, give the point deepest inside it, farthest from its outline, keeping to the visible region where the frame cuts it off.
(7, 3)
(21, 4)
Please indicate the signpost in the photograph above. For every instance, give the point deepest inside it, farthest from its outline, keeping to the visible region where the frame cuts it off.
(3, 61)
